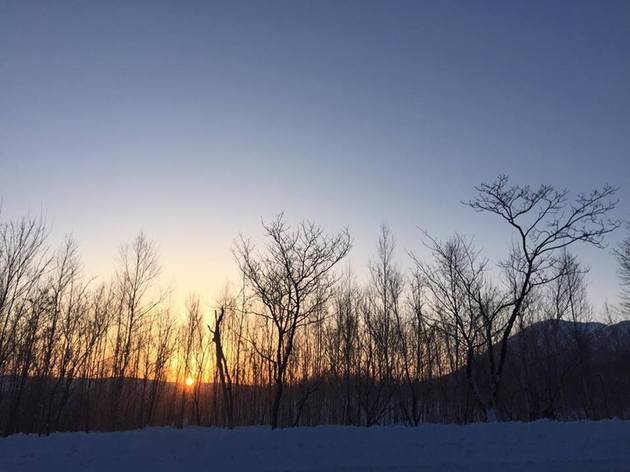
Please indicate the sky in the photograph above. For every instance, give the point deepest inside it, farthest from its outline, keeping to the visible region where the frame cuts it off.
(192, 121)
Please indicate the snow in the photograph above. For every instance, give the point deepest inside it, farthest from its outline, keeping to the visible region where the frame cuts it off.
(541, 446)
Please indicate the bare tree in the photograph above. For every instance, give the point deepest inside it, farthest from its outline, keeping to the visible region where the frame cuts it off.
(288, 279)
(544, 222)
(222, 367)
(341, 346)
(381, 313)
(462, 305)
(24, 260)
(138, 269)
(623, 258)
(189, 334)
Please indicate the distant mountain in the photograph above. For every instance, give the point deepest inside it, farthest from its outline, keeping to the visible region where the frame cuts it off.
(566, 369)
(595, 338)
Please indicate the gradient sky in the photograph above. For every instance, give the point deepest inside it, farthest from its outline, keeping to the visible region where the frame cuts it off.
(194, 120)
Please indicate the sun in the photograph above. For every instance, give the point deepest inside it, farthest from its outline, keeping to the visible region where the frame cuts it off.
(189, 381)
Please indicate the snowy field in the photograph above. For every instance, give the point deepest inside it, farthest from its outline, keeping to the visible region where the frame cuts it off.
(541, 446)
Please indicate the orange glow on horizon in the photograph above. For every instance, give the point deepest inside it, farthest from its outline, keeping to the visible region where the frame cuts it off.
(189, 381)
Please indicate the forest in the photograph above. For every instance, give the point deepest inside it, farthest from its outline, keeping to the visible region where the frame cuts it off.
(456, 339)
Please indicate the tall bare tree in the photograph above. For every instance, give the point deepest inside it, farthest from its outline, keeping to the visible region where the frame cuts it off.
(545, 222)
(289, 279)
(460, 298)
(623, 258)
(137, 271)
(227, 392)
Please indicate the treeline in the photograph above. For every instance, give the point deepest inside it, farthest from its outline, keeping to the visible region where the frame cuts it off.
(303, 343)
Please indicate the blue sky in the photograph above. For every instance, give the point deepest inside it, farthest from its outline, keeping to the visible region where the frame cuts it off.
(194, 120)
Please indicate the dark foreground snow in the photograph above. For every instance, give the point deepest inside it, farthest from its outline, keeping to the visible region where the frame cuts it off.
(579, 446)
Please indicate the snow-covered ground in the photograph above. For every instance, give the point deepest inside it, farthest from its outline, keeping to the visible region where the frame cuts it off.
(579, 446)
